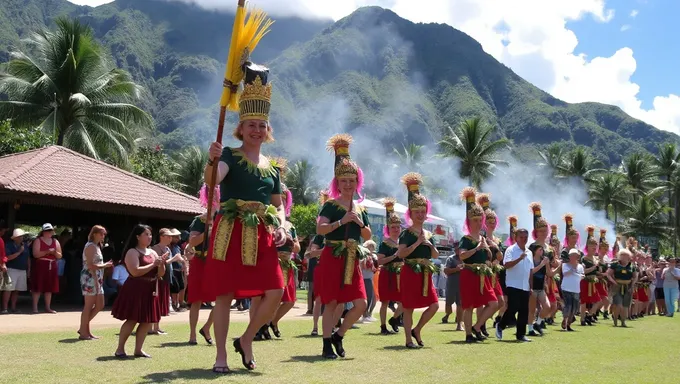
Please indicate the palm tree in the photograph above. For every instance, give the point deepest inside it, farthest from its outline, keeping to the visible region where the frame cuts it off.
(471, 143)
(609, 190)
(411, 156)
(646, 217)
(640, 173)
(579, 163)
(191, 163)
(68, 89)
(666, 163)
(553, 157)
(300, 181)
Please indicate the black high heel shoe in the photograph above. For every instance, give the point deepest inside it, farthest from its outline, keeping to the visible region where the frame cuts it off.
(420, 342)
(249, 365)
(275, 329)
(264, 330)
(336, 341)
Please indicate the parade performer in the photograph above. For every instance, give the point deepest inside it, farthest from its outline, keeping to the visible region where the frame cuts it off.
(571, 238)
(589, 294)
(642, 287)
(542, 259)
(292, 246)
(554, 274)
(602, 267)
(390, 268)
(622, 276)
(196, 252)
(475, 282)
(497, 251)
(417, 251)
(243, 261)
(344, 224)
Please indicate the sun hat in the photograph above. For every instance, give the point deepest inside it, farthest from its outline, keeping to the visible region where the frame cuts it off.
(175, 232)
(47, 227)
(18, 232)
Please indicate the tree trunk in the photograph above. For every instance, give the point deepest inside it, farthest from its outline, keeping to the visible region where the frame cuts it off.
(60, 137)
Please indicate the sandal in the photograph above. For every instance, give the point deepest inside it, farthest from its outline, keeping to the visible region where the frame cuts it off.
(207, 339)
(143, 354)
(249, 365)
(420, 342)
(221, 370)
(315, 332)
(411, 345)
(120, 355)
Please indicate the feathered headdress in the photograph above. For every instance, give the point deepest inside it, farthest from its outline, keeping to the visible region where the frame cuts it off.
(512, 220)
(390, 216)
(203, 197)
(569, 225)
(553, 231)
(539, 220)
(484, 200)
(603, 238)
(590, 230)
(255, 100)
(413, 181)
(344, 166)
(472, 209)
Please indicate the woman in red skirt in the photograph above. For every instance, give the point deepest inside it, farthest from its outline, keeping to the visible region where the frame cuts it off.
(44, 276)
(390, 269)
(554, 277)
(196, 252)
(285, 252)
(475, 283)
(589, 294)
(496, 248)
(602, 267)
(417, 251)
(242, 260)
(344, 224)
(138, 300)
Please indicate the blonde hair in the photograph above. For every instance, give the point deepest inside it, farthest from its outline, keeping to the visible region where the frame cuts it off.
(370, 243)
(97, 229)
(624, 252)
(268, 139)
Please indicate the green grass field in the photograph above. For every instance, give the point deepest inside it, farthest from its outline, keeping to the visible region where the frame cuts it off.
(600, 354)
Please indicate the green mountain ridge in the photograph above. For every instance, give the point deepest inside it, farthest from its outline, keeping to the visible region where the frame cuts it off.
(403, 82)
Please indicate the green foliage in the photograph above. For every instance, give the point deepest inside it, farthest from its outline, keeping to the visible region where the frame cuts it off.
(153, 164)
(304, 218)
(13, 140)
(190, 167)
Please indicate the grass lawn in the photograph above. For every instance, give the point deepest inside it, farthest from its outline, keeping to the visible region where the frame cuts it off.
(600, 354)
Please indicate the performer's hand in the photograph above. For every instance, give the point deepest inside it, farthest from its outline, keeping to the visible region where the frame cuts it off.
(280, 236)
(215, 150)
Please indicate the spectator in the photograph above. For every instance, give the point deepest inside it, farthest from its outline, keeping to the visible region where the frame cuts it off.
(92, 280)
(452, 270)
(670, 276)
(44, 277)
(368, 271)
(17, 253)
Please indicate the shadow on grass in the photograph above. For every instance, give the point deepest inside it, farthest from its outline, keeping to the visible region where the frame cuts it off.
(400, 348)
(307, 337)
(70, 341)
(463, 342)
(174, 344)
(313, 359)
(114, 358)
(194, 374)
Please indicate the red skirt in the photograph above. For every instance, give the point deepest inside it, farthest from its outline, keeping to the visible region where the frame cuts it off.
(602, 290)
(552, 290)
(317, 282)
(222, 277)
(196, 272)
(330, 270)
(497, 289)
(412, 289)
(289, 291)
(164, 297)
(44, 276)
(591, 297)
(642, 295)
(136, 301)
(388, 286)
(470, 295)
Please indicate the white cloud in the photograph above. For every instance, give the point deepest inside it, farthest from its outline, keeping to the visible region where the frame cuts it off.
(534, 41)
(634, 13)
(625, 27)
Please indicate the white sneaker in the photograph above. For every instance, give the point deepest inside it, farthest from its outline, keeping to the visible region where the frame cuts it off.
(360, 321)
(370, 319)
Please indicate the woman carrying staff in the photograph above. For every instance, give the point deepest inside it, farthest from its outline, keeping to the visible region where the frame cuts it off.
(344, 224)
(242, 260)
(622, 276)
(602, 267)
(288, 267)
(552, 283)
(475, 283)
(539, 297)
(390, 268)
(417, 251)
(589, 294)
(496, 248)
(138, 299)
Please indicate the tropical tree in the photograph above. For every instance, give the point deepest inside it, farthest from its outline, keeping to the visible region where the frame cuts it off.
(646, 217)
(471, 143)
(153, 164)
(579, 163)
(13, 139)
(190, 166)
(609, 191)
(411, 157)
(68, 89)
(304, 217)
(640, 173)
(666, 163)
(553, 157)
(300, 181)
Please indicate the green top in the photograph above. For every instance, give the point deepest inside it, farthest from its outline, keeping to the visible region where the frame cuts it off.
(388, 249)
(409, 238)
(197, 225)
(621, 272)
(246, 180)
(334, 212)
(318, 240)
(589, 264)
(480, 257)
(496, 246)
(602, 266)
(288, 246)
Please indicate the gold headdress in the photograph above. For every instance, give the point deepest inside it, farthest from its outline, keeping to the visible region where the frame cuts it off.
(539, 220)
(390, 216)
(413, 181)
(553, 232)
(569, 225)
(344, 166)
(484, 200)
(603, 238)
(472, 209)
(590, 229)
(255, 100)
(512, 220)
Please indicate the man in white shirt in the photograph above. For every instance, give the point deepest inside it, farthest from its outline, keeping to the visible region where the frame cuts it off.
(518, 263)
(572, 273)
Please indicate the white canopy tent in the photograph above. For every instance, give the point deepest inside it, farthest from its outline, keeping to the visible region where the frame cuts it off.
(376, 208)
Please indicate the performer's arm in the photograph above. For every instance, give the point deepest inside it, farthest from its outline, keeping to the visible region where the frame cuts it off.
(196, 238)
(313, 251)
(277, 201)
(215, 152)
(296, 245)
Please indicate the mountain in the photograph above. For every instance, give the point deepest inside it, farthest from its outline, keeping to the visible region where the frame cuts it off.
(372, 73)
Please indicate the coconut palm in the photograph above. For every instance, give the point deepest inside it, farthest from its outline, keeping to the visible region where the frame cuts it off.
(666, 163)
(579, 163)
(646, 217)
(609, 191)
(471, 143)
(300, 181)
(553, 157)
(640, 173)
(191, 164)
(410, 157)
(67, 88)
